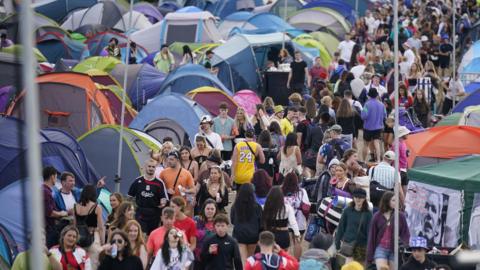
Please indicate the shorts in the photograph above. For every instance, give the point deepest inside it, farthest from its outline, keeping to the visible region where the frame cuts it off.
(149, 223)
(383, 253)
(370, 135)
(404, 178)
(282, 238)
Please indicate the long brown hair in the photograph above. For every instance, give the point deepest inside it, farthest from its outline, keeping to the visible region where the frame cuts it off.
(345, 109)
(140, 241)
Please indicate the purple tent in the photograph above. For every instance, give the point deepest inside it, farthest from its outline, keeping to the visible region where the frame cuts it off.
(149, 10)
(6, 94)
(408, 119)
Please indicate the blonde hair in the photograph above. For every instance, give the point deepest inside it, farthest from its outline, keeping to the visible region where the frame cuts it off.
(326, 100)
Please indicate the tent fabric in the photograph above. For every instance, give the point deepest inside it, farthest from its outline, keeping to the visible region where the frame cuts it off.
(224, 8)
(91, 107)
(148, 10)
(472, 53)
(247, 99)
(15, 51)
(143, 82)
(10, 67)
(435, 144)
(176, 107)
(469, 117)
(55, 46)
(97, 43)
(189, 77)
(101, 63)
(105, 79)
(57, 10)
(459, 174)
(7, 94)
(164, 127)
(8, 248)
(101, 147)
(315, 19)
(328, 40)
(113, 95)
(210, 98)
(341, 7)
(471, 100)
(233, 20)
(12, 25)
(472, 87)
(278, 8)
(309, 42)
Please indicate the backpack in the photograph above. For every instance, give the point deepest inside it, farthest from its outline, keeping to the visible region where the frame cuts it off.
(376, 190)
(336, 151)
(275, 258)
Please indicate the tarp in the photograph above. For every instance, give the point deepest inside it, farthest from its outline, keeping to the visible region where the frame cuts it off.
(101, 147)
(143, 82)
(471, 100)
(68, 101)
(247, 99)
(210, 98)
(57, 10)
(189, 77)
(444, 196)
(435, 144)
(176, 107)
(315, 19)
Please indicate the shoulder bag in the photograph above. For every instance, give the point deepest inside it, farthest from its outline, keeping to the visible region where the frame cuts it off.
(346, 249)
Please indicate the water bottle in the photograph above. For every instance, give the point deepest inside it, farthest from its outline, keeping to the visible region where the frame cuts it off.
(114, 251)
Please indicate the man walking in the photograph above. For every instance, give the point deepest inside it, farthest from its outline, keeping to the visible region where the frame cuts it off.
(298, 71)
(223, 126)
(373, 115)
(243, 159)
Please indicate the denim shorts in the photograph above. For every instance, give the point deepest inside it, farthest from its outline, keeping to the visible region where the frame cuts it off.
(383, 253)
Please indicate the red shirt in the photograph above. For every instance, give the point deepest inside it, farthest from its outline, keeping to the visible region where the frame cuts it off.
(188, 226)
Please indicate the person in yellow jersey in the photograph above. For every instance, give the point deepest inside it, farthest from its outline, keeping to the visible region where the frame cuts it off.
(243, 159)
(287, 124)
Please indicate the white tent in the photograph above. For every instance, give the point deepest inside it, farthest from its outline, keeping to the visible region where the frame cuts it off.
(315, 19)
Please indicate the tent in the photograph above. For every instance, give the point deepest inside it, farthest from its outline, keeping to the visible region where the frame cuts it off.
(320, 19)
(224, 8)
(107, 13)
(167, 6)
(210, 98)
(234, 20)
(435, 144)
(8, 248)
(114, 97)
(57, 10)
(469, 56)
(143, 82)
(97, 43)
(189, 77)
(341, 7)
(7, 94)
(472, 87)
(57, 45)
(68, 101)
(104, 78)
(10, 67)
(470, 100)
(101, 147)
(148, 10)
(443, 202)
(164, 127)
(240, 58)
(175, 107)
(469, 117)
(328, 40)
(101, 63)
(309, 42)
(247, 99)
(268, 23)
(198, 27)
(278, 7)
(12, 25)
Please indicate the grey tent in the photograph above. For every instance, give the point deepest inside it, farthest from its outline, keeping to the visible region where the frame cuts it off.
(10, 66)
(100, 145)
(164, 127)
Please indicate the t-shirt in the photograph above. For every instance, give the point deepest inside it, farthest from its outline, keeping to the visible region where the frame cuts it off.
(177, 261)
(155, 239)
(213, 140)
(20, 262)
(286, 126)
(445, 48)
(185, 179)
(245, 165)
(148, 193)
(298, 71)
(188, 226)
(69, 200)
(345, 48)
(128, 263)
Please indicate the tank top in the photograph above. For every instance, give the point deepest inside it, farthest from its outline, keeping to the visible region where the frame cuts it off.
(90, 219)
(245, 166)
(288, 163)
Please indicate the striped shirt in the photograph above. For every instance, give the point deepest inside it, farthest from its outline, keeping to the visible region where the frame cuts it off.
(384, 174)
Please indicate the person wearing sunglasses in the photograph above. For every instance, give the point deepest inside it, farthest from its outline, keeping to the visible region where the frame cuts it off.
(418, 260)
(174, 254)
(118, 255)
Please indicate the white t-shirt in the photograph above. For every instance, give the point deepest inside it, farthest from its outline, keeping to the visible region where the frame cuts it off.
(69, 200)
(214, 139)
(410, 55)
(176, 262)
(415, 43)
(345, 48)
(358, 70)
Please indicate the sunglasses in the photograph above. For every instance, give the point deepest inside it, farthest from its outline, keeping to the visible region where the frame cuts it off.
(116, 241)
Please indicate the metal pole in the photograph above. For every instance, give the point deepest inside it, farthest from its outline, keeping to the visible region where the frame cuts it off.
(122, 117)
(356, 8)
(285, 6)
(396, 140)
(32, 120)
(454, 71)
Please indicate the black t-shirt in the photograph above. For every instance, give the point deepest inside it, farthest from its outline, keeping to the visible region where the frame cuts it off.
(298, 71)
(129, 263)
(302, 127)
(147, 193)
(445, 48)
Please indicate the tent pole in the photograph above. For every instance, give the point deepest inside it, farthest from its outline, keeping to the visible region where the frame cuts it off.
(285, 7)
(32, 119)
(356, 8)
(118, 177)
(454, 71)
(396, 139)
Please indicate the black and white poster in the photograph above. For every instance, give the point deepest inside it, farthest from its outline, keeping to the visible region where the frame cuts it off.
(474, 231)
(434, 213)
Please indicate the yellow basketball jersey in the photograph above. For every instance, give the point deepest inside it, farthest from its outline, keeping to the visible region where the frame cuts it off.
(245, 166)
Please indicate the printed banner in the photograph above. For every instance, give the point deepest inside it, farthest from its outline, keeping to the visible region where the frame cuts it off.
(434, 213)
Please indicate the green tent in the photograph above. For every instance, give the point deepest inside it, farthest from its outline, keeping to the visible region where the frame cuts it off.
(97, 62)
(328, 40)
(469, 117)
(17, 50)
(308, 41)
(443, 200)
(450, 120)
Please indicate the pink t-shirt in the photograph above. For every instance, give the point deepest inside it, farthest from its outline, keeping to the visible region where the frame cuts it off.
(402, 158)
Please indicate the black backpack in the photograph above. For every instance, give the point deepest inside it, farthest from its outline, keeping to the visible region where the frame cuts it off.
(376, 190)
(335, 152)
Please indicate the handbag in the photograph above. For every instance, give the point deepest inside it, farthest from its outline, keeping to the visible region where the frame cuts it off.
(346, 249)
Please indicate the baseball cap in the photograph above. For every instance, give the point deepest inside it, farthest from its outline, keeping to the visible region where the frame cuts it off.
(390, 155)
(206, 119)
(336, 127)
(174, 153)
(359, 193)
(418, 242)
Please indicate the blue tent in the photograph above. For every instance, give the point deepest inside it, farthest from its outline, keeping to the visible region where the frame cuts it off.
(189, 77)
(219, 8)
(97, 43)
(56, 45)
(236, 58)
(176, 107)
(189, 9)
(470, 100)
(8, 247)
(278, 8)
(472, 87)
(341, 7)
(57, 10)
(143, 82)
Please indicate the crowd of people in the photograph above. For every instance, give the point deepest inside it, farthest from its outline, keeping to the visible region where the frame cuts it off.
(336, 129)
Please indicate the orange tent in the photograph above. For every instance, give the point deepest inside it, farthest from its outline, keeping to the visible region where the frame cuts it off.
(68, 101)
(441, 143)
